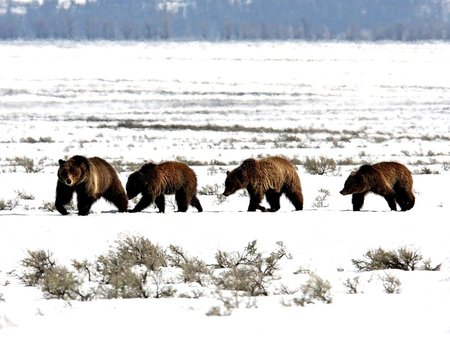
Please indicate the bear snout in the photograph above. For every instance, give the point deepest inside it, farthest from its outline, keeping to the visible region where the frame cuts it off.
(343, 192)
(226, 193)
(68, 181)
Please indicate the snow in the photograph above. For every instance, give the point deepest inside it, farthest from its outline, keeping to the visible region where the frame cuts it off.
(364, 102)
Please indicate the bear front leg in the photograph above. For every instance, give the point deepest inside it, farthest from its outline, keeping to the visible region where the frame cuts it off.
(64, 195)
(145, 201)
(160, 202)
(84, 204)
(358, 201)
(255, 204)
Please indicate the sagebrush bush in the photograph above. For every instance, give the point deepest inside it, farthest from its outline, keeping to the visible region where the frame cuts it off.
(138, 250)
(126, 270)
(249, 255)
(230, 302)
(321, 199)
(209, 190)
(54, 280)
(60, 283)
(248, 271)
(352, 285)
(37, 264)
(321, 166)
(24, 196)
(425, 171)
(402, 259)
(316, 289)
(28, 164)
(391, 284)
(122, 166)
(41, 139)
(136, 268)
(8, 204)
(193, 269)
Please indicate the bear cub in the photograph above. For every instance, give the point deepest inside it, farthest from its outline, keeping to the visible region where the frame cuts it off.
(154, 181)
(270, 177)
(91, 178)
(391, 180)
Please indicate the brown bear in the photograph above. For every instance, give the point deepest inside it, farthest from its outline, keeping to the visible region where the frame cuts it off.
(272, 177)
(91, 178)
(391, 180)
(154, 181)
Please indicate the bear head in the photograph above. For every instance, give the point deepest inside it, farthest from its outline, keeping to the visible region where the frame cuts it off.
(136, 181)
(355, 183)
(73, 171)
(134, 185)
(238, 178)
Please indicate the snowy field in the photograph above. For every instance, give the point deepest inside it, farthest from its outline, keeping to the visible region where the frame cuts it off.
(212, 105)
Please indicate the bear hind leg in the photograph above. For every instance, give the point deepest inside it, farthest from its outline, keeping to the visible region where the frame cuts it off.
(118, 198)
(404, 198)
(196, 204)
(160, 202)
(182, 200)
(390, 199)
(295, 197)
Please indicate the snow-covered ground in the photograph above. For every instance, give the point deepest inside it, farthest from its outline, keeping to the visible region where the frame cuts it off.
(213, 105)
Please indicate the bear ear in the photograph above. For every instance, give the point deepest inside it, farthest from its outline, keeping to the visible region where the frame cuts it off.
(250, 162)
(61, 162)
(228, 172)
(78, 160)
(147, 167)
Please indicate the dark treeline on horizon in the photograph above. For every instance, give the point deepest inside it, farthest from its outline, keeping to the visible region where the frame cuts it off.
(400, 20)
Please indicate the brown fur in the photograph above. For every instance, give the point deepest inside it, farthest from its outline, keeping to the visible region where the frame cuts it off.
(271, 176)
(154, 181)
(91, 178)
(391, 180)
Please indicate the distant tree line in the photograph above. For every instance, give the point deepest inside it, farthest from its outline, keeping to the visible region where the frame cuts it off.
(403, 20)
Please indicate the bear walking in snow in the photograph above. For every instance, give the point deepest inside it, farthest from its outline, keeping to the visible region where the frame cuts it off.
(391, 180)
(91, 178)
(154, 181)
(272, 177)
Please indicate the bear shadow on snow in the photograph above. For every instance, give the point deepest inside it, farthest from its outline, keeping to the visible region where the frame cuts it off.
(391, 180)
(154, 181)
(91, 179)
(270, 177)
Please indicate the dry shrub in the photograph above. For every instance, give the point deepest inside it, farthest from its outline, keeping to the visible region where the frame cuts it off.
(248, 271)
(37, 265)
(321, 166)
(193, 270)
(391, 284)
(316, 289)
(126, 270)
(402, 259)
